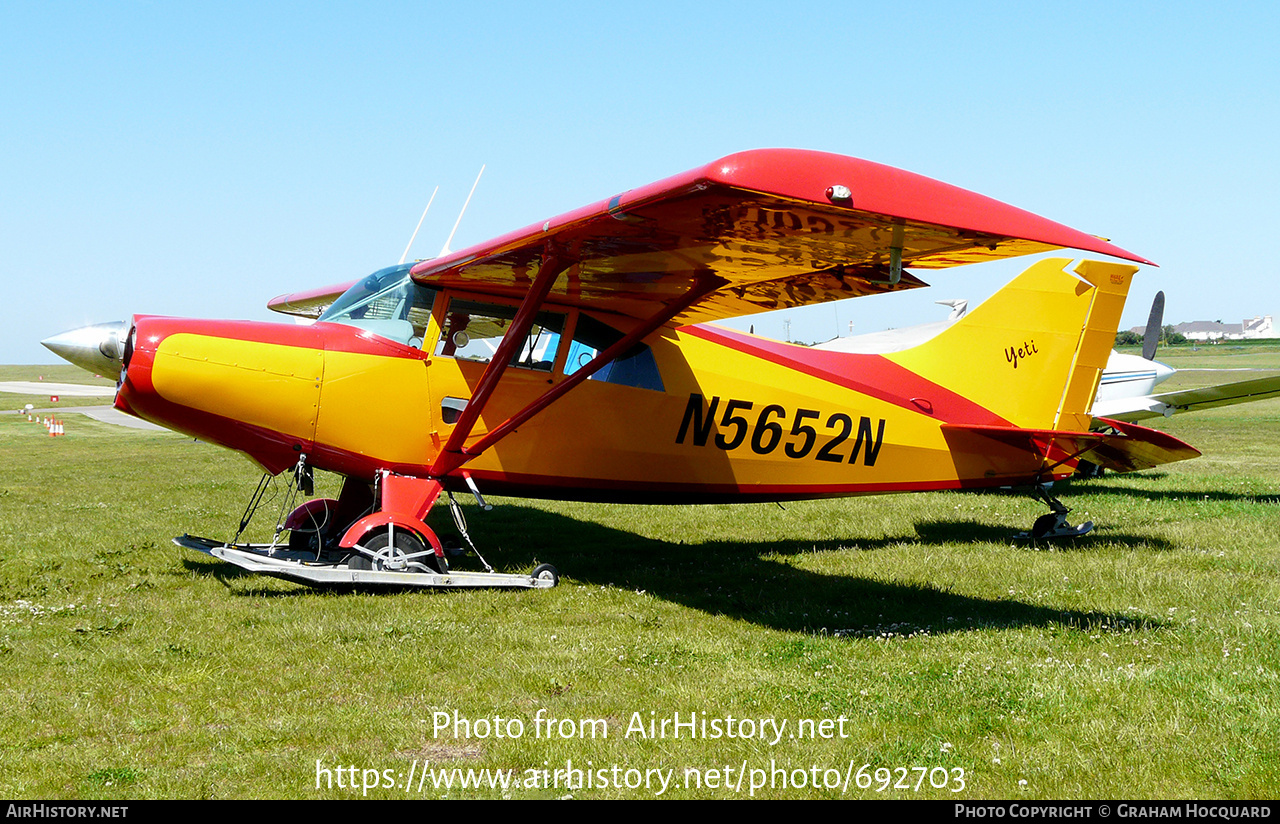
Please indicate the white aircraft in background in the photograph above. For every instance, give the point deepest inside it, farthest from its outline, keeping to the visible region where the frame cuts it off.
(1126, 391)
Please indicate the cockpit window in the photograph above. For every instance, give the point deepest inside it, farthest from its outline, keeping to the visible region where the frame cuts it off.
(472, 330)
(387, 303)
(636, 367)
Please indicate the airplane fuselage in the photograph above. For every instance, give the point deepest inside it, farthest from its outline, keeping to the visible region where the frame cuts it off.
(698, 414)
(731, 422)
(1131, 376)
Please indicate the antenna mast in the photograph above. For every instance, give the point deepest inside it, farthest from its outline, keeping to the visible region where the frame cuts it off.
(445, 249)
(419, 226)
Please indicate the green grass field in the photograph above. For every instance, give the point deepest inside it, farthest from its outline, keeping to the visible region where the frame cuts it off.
(950, 661)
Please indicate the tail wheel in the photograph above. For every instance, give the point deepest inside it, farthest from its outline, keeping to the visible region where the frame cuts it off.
(546, 572)
(1045, 525)
(409, 550)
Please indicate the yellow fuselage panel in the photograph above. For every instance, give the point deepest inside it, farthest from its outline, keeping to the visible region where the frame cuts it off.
(727, 418)
(378, 406)
(271, 386)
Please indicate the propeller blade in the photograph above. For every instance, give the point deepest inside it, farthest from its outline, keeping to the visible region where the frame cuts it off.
(1151, 335)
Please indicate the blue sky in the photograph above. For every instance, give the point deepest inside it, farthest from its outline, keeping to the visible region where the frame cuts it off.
(199, 159)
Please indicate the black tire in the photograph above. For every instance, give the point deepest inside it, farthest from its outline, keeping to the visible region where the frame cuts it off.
(1044, 525)
(1088, 470)
(546, 572)
(305, 540)
(312, 534)
(407, 543)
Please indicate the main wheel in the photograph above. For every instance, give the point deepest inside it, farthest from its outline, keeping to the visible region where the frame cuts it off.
(311, 534)
(305, 540)
(407, 549)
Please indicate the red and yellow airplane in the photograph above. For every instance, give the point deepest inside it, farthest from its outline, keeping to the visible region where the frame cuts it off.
(568, 360)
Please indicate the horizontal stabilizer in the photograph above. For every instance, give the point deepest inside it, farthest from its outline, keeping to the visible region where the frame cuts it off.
(1127, 448)
(1131, 447)
(1053, 445)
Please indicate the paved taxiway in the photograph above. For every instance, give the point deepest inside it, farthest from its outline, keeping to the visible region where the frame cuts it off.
(106, 414)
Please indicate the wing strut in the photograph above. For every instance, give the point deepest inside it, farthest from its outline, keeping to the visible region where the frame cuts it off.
(553, 263)
(453, 456)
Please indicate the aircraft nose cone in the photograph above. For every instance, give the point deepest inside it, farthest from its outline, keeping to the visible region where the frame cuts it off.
(98, 348)
(1163, 371)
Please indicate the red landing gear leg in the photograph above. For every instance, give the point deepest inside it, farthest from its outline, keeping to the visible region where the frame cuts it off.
(406, 500)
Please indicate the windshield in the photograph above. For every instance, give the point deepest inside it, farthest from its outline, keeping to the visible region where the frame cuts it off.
(387, 303)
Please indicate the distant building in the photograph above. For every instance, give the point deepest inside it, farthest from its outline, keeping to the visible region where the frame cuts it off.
(1210, 330)
(1206, 330)
(1260, 328)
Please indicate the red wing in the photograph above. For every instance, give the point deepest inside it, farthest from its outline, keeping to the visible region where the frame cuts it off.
(773, 225)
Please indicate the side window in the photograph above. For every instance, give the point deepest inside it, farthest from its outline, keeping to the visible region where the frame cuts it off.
(636, 367)
(472, 330)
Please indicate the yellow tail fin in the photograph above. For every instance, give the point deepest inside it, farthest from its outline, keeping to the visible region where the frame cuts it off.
(1032, 353)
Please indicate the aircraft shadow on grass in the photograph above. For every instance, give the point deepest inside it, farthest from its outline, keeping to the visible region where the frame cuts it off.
(747, 581)
(1102, 489)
